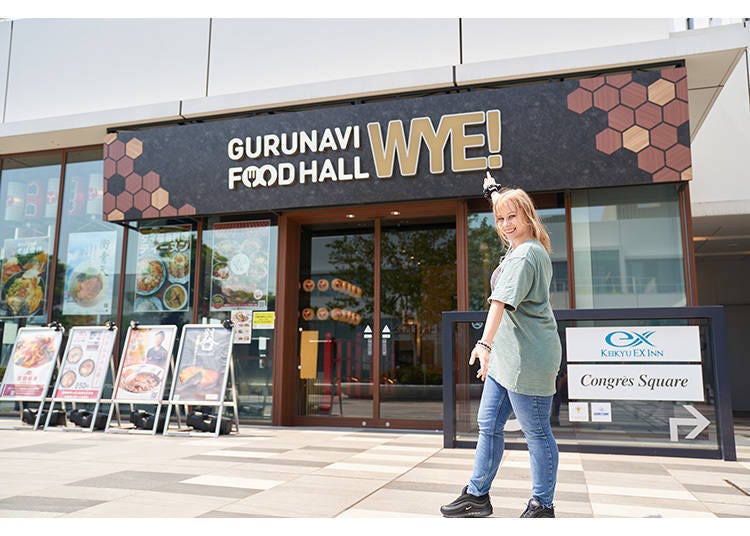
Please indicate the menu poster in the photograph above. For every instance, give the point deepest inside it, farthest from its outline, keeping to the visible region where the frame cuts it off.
(240, 265)
(243, 326)
(162, 274)
(23, 280)
(203, 359)
(31, 363)
(84, 365)
(145, 363)
(90, 273)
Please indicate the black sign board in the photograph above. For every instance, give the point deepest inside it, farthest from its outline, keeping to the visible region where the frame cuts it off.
(618, 129)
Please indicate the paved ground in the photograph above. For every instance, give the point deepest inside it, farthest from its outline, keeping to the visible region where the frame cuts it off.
(336, 473)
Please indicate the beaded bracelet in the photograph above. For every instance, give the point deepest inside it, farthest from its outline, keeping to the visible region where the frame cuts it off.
(487, 192)
(484, 345)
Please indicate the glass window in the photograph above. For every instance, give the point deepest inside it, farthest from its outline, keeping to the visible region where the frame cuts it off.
(622, 423)
(418, 283)
(238, 283)
(159, 281)
(486, 249)
(628, 247)
(30, 186)
(87, 278)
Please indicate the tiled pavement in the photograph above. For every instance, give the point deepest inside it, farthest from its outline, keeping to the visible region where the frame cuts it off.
(336, 473)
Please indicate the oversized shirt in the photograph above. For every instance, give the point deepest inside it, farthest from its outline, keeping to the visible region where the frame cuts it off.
(527, 352)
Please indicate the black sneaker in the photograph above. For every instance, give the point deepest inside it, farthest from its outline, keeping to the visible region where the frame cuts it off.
(535, 509)
(468, 505)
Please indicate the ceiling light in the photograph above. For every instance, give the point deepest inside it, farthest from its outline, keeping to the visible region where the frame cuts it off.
(350, 216)
(395, 212)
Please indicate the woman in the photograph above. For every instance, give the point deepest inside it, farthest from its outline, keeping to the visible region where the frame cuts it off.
(519, 356)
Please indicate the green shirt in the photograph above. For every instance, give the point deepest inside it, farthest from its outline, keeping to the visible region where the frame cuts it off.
(527, 350)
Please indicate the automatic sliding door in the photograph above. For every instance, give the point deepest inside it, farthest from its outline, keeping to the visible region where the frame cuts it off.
(335, 307)
(418, 283)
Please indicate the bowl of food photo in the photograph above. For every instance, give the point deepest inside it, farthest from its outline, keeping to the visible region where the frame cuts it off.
(175, 297)
(150, 275)
(23, 293)
(86, 368)
(141, 378)
(75, 354)
(178, 268)
(33, 353)
(68, 379)
(87, 285)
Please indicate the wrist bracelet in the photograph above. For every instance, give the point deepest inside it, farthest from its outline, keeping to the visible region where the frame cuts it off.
(487, 192)
(484, 345)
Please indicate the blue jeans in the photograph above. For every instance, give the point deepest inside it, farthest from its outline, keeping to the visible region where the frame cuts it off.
(532, 413)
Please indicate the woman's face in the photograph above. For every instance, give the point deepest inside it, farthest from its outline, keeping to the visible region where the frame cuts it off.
(512, 224)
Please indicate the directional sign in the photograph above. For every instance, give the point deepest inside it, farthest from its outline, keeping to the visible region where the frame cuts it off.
(386, 333)
(368, 332)
(699, 422)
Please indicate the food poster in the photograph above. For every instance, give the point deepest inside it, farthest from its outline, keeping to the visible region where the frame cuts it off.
(84, 366)
(89, 277)
(202, 364)
(243, 326)
(145, 363)
(162, 274)
(240, 265)
(23, 281)
(31, 363)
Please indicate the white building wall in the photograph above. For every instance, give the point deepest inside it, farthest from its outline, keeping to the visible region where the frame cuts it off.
(5, 27)
(720, 151)
(62, 67)
(495, 39)
(250, 54)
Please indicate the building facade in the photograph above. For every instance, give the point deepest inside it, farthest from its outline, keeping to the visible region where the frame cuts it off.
(320, 185)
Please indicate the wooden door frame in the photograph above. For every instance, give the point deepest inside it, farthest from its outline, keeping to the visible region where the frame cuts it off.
(286, 344)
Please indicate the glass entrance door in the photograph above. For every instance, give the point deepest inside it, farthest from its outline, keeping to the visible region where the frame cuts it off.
(335, 309)
(371, 299)
(418, 283)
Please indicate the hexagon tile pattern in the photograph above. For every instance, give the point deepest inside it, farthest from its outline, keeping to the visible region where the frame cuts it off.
(640, 119)
(130, 195)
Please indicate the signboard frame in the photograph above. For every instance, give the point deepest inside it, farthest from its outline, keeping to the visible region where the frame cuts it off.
(226, 377)
(158, 402)
(58, 331)
(64, 361)
(712, 316)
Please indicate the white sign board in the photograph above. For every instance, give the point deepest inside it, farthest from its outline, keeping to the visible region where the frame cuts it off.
(601, 412)
(653, 344)
(635, 382)
(578, 411)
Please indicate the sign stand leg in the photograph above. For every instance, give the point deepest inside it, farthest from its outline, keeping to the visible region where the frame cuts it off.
(234, 394)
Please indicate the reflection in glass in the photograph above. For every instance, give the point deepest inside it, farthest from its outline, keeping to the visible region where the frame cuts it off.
(614, 265)
(238, 283)
(486, 249)
(632, 423)
(145, 298)
(336, 318)
(29, 187)
(418, 283)
(89, 250)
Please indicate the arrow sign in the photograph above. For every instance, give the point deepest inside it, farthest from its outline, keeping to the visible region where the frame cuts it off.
(386, 333)
(368, 332)
(699, 422)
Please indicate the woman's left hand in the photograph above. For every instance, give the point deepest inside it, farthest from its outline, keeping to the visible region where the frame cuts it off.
(483, 355)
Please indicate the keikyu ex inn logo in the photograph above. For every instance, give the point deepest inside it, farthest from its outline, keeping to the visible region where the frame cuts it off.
(625, 344)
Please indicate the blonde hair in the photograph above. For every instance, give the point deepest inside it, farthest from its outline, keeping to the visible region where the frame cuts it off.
(525, 206)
